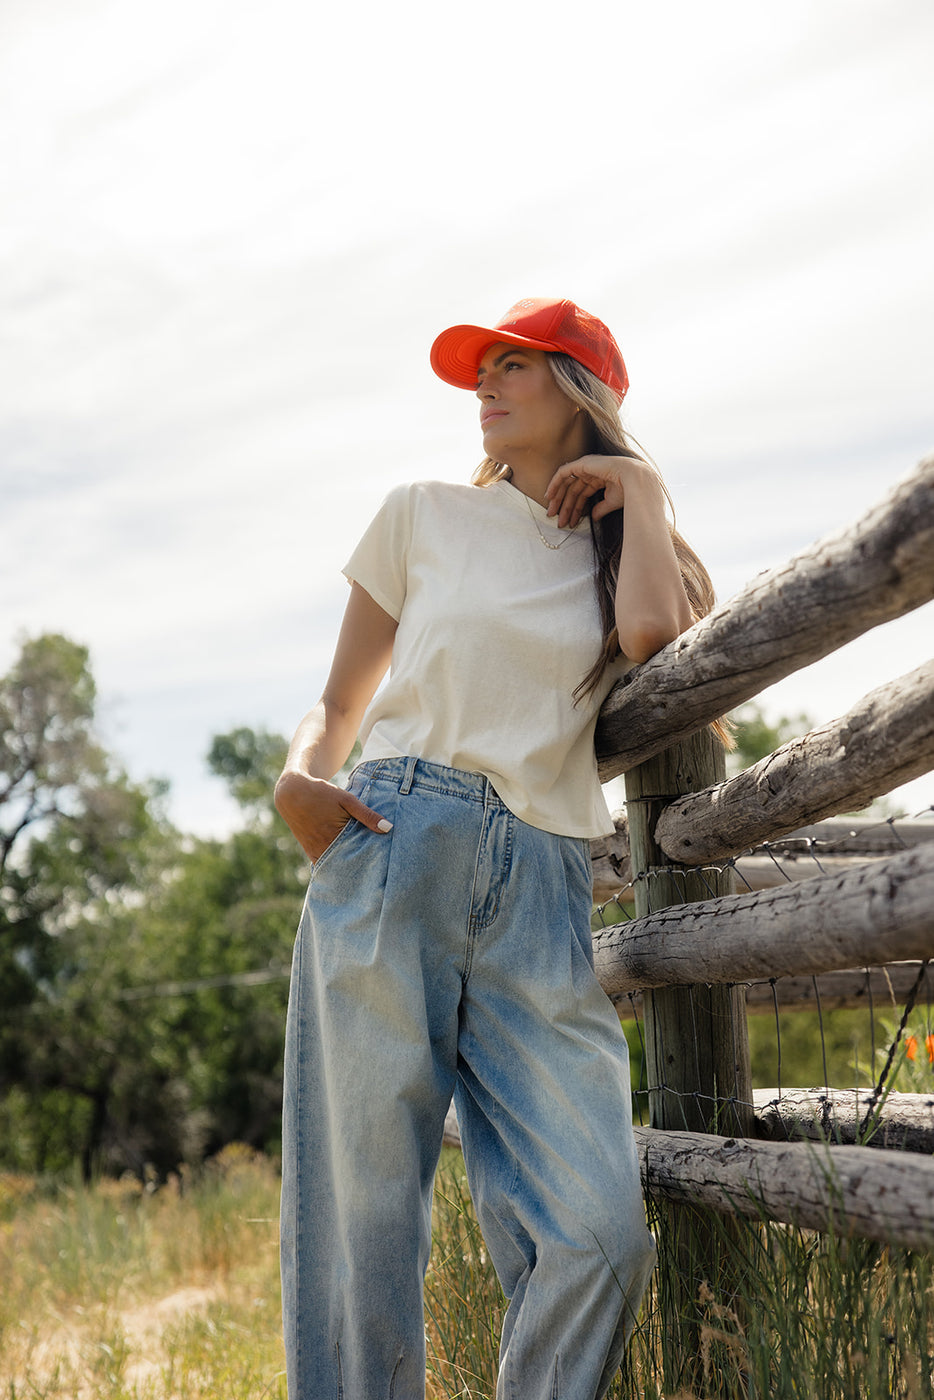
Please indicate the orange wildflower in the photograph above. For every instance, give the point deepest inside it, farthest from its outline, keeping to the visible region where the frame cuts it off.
(929, 1046)
(911, 1046)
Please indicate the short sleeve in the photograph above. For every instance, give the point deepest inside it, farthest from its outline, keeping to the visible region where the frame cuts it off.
(380, 561)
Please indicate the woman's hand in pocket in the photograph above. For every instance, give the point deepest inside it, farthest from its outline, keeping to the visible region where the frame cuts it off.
(316, 811)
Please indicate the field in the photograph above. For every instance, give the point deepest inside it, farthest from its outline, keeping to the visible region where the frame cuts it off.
(113, 1291)
(119, 1292)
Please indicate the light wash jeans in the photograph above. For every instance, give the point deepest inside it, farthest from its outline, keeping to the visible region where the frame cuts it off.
(453, 956)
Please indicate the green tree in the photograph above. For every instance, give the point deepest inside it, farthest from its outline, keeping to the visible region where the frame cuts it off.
(755, 736)
(78, 841)
(71, 823)
(48, 753)
(49, 762)
(250, 761)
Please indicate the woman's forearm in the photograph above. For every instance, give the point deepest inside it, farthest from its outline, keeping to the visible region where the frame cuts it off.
(325, 737)
(322, 742)
(652, 607)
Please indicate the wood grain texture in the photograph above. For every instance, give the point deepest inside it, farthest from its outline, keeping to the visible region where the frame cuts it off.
(879, 912)
(884, 741)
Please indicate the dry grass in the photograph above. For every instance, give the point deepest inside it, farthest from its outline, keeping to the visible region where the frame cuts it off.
(114, 1292)
(117, 1292)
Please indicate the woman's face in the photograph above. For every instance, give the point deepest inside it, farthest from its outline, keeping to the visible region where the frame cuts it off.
(522, 410)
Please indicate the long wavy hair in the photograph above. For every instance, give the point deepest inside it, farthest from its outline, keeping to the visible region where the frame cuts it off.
(608, 437)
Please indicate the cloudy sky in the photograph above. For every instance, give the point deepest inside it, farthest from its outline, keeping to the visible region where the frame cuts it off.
(230, 232)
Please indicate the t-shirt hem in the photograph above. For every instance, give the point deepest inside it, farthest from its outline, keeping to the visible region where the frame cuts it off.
(591, 832)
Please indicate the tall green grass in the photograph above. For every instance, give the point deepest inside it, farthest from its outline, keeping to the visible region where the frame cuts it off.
(117, 1292)
(464, 1303)
(812, 1316)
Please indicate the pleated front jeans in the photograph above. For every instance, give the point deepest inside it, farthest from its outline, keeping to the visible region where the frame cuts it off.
(452, 957)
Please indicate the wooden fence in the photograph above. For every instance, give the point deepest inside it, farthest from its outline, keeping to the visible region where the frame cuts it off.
(698, 956)
(695, 944)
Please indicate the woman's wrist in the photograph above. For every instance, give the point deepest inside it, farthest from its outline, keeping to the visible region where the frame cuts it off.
(637, 476)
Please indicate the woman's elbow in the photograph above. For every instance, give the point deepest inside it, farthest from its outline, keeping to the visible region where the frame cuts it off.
(644, 640)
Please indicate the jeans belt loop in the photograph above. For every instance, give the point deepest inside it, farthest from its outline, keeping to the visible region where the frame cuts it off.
(409, 776)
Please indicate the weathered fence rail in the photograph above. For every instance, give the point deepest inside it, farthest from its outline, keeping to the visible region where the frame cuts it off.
(848, 1116)
(903, 1121)
(886, 740)
(786, 618)
(872, 914)
(887, 1198)
(888, 985)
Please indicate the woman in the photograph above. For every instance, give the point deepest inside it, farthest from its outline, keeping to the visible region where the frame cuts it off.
(444, 946)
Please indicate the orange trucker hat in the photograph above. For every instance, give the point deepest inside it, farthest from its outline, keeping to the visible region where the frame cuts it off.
(538, 323)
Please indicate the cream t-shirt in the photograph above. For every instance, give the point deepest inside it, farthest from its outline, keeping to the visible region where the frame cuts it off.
(495, 632)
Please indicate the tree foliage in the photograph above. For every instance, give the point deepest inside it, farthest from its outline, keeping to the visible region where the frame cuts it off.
(250, 761)
(49, 760)
(74, 830)
(135, 1024)
(755, 736)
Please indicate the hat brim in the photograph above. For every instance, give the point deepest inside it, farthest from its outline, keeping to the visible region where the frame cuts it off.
(457, 352)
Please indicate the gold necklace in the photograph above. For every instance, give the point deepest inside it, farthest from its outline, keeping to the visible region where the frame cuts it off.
(569, 534)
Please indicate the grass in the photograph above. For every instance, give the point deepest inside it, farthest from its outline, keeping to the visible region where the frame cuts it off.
(810, 1316)
(117, 1292)
(464, 1304)
(790, 1314)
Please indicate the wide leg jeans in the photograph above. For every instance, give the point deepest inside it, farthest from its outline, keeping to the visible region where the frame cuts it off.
(452, 957)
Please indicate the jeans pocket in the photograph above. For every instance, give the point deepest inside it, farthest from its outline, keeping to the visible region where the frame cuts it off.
(351, 821)
(359, 785)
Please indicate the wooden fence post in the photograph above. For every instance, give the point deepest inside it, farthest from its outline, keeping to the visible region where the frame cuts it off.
(696, 1049)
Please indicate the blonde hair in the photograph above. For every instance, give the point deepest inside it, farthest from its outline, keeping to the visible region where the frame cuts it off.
(608, 437)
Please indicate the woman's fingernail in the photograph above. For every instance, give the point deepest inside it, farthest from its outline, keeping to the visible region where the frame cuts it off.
(383, 825)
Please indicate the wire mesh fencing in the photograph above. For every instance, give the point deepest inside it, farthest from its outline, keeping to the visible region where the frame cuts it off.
(845, 1056)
